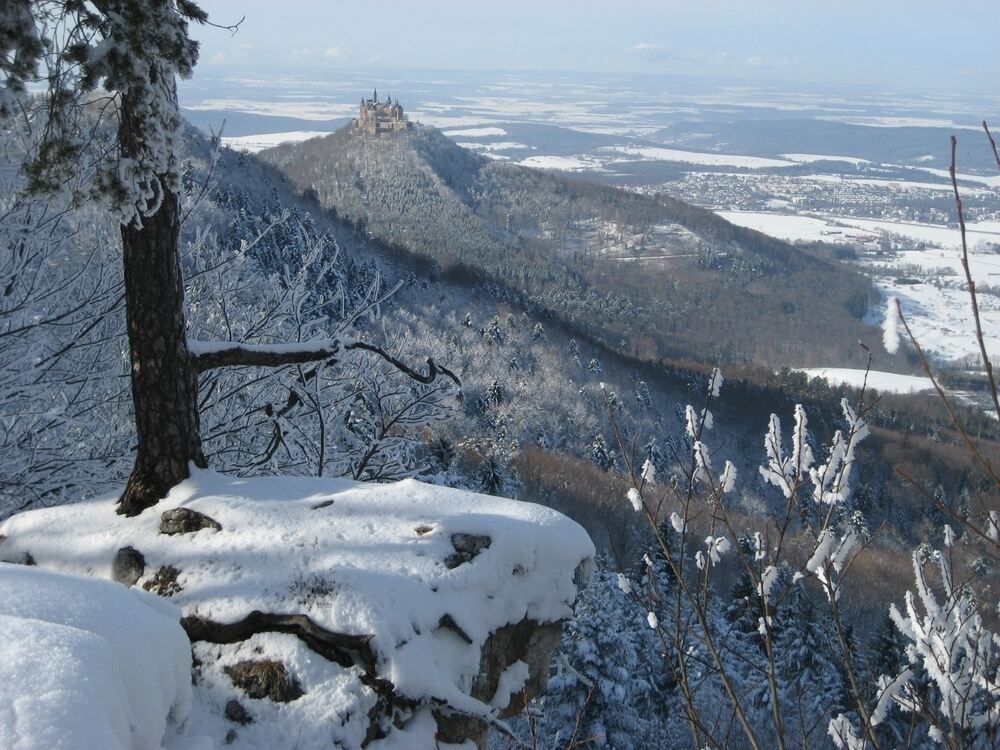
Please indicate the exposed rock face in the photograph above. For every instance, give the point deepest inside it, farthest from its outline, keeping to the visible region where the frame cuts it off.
(128, 566)
(467, 546)
(186, 521)
(527, 641)
(164, 582)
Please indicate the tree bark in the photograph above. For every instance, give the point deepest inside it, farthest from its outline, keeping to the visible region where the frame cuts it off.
(164, 378)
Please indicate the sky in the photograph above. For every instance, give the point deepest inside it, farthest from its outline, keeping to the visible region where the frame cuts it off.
(915, 44)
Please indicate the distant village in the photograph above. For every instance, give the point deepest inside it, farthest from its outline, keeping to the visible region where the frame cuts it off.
(375, 117)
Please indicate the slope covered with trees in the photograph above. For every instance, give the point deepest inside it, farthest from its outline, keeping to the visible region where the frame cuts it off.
(649, 276)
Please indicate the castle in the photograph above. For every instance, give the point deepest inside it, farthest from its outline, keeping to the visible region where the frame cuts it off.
(376, 117)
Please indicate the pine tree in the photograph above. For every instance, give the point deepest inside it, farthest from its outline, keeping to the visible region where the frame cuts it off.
(810, 680)
(600, 454)
(603, 693)
(642, 395)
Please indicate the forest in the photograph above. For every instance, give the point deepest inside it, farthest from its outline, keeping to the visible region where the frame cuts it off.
(650, 276)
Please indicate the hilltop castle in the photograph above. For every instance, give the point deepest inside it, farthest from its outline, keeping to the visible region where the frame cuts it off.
(376, 117)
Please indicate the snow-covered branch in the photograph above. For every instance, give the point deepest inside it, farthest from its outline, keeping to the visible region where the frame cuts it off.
(209, 355)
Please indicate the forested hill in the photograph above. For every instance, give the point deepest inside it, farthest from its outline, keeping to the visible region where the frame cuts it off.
(650, 276)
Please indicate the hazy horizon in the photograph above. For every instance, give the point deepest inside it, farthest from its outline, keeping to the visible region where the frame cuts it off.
(903, 45)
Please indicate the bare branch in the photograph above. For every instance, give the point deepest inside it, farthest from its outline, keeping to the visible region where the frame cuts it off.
(433, 369)
(987, 364)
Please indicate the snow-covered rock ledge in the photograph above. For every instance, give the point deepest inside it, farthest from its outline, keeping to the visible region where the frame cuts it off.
(370, 615)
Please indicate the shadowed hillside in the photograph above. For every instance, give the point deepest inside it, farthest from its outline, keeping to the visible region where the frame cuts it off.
(650, 276)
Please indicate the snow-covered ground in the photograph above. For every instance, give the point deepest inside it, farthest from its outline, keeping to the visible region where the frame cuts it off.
(798, 228)
(788, 227)
(894, 185)
(563, 163)
(655, 153)
(886, 382)
(933, 234)
(254, 143)
(383, 561)
(475, 132)
(89, 664)
(495, 146)
(810, 158)
(936, 304)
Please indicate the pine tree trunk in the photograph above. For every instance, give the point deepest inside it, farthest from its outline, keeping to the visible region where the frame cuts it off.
(164, 379)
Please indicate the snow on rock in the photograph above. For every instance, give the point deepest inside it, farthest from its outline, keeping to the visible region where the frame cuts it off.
(389, 562)
(88, 664)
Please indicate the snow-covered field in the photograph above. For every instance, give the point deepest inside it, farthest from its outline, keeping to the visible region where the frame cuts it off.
(886, 382)
(797, 228)
(496, 146)
(810, 158)
(563, 163)
(937, 305)
(475, 132)
(790, 227)
(933, 234)
(655, 153)
(307, 110)
(894, 185)
(254, 143)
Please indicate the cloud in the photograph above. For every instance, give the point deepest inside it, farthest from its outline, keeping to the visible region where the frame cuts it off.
(333, 53)
(649, 52)
(218, 58)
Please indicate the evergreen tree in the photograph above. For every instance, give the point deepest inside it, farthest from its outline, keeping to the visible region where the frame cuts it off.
(602, 695)
(808, 674)
(642, 395)
(600, 454)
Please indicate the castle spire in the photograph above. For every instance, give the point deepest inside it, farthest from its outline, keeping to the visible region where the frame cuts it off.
(375, 96)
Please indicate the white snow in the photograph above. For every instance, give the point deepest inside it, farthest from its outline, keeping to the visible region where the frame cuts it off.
(788, 227)
(992, 181)
(796, 228)
(254, 143)
(307, 109)
(364, 559)
(495, 146)
(887, 382)
(896, 185)
(900, 122)
(890, 326)
(475, 132)
(810, 158)
(315, 346)
(564, 163)
(88, 664)
(937, 309)
(655, 153)
(511, 682)
(935, 234)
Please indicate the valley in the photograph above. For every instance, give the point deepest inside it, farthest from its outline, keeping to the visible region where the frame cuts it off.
(864, 172)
